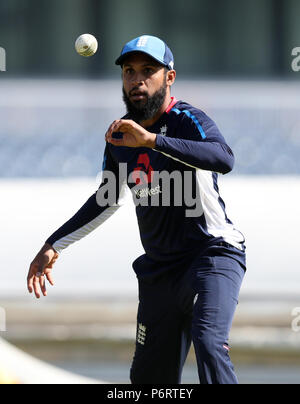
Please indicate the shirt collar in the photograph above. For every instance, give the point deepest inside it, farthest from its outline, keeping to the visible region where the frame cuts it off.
(171, 106)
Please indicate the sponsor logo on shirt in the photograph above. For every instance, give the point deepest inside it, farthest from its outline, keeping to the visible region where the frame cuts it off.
(165, 189)
(143, 173)
(146, 192)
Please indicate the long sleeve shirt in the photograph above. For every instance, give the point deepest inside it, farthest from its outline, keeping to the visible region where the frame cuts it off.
(179, 216)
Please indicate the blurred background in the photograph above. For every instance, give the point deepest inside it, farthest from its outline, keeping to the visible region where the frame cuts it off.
(234, 61)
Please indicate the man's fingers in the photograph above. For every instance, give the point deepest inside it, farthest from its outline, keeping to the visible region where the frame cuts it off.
(38, 280)
(37, 284)
(30, 283)
(49, 278)
(31, 275)
(36, 287)
(112, 128)
(117, 142)
(43, 285)
(120, 125)
(123, 126)
(41, 266)
(115, 127)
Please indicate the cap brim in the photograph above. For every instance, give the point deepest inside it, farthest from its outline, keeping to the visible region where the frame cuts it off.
(120, 60)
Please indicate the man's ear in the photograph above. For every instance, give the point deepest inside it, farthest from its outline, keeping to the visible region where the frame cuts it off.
(171, 76)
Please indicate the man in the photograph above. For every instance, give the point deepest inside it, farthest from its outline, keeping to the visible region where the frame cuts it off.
(194, 262)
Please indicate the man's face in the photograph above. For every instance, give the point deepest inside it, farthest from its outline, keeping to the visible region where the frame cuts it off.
(144, 86)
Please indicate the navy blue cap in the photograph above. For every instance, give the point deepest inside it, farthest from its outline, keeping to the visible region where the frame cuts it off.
(150, 45)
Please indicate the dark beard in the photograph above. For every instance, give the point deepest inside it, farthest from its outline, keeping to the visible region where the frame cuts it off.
(146, 111)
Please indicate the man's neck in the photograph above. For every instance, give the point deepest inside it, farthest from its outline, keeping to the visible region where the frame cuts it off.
(162, 110)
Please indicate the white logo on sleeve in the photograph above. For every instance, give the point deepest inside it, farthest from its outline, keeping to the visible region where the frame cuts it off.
(142, 41)
(141, 336)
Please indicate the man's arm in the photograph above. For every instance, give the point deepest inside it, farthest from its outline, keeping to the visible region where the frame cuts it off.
(210, 156)
(199, 145)
(91, 215)
(87, 219)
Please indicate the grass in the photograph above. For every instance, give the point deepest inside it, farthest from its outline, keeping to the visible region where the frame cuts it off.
(122, 351)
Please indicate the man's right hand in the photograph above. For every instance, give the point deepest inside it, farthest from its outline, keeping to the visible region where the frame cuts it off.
(40, 267)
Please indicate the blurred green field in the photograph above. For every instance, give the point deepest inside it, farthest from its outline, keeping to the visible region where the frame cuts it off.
(103, 350)
(110, 360)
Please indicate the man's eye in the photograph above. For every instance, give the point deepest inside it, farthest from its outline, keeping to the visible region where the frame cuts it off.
(129, 71)
(148, 70)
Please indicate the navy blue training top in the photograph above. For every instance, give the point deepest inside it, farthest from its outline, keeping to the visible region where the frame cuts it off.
(174, 186)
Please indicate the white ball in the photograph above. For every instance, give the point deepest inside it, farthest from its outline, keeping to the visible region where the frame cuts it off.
(86, 45)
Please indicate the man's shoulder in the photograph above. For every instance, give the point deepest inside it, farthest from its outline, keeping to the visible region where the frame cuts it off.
(184, 108)
(195, 120)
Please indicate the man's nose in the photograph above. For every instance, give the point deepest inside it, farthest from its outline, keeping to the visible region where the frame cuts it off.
(137, 79)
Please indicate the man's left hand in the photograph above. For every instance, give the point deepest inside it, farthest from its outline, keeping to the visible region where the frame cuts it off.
(134, 135)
